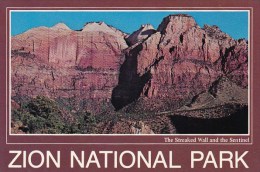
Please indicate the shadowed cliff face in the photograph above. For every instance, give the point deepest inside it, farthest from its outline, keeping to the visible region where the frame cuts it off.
(235, 123)
(130, 84)
(178, 62)
(102, 65)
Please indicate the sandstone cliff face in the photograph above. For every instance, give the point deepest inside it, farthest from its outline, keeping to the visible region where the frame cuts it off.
(142, 33)
(98, 63)
(96, 46)
(180, 61)
(60, 63)
(37, 41)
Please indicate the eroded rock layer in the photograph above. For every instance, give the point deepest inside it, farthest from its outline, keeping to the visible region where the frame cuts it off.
(100, 64)
(180, 61)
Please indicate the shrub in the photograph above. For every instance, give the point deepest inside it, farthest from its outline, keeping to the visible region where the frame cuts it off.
(41, 115)
(86, 122)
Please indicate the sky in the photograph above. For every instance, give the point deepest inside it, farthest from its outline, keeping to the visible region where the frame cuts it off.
(234, 23)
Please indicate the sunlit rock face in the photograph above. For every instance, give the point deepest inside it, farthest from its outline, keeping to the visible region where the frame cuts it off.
(179, 61)
(99, 63)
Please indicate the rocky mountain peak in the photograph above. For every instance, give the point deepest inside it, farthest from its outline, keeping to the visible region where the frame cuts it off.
(142, 33)
(60, 26)
(104, 28)
(97, 26)
(146, 26)
(215, 32)
(176, 23)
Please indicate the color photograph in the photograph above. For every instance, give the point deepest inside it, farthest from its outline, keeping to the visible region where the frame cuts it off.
(147, 72)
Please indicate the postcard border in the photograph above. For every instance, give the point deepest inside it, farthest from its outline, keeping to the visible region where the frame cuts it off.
(250, 72)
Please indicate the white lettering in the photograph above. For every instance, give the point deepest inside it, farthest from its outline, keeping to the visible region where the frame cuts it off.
(11, 164)
(193, 159)
(132, 158)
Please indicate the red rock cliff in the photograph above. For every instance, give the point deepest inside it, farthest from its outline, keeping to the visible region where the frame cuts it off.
(173, 63)
(179, 61)
(60, 63)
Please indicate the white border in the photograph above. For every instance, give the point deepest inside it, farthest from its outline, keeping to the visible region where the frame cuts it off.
(94, 9)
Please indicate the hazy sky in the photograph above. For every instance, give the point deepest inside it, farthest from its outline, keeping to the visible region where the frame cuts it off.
(234, 23)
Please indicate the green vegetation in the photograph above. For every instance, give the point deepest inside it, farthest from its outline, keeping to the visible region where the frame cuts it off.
(43, 115)
(86, 123)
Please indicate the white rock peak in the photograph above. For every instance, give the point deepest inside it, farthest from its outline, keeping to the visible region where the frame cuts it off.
(99, 27)
(146, 27)
(61, 26)
(142, 33)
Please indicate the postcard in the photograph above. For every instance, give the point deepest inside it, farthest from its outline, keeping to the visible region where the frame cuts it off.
(93, 86)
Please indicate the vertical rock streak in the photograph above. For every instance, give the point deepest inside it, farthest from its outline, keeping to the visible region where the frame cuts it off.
(175, 62)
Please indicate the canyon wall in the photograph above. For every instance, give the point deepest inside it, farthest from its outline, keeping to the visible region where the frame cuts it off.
(100, 65)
